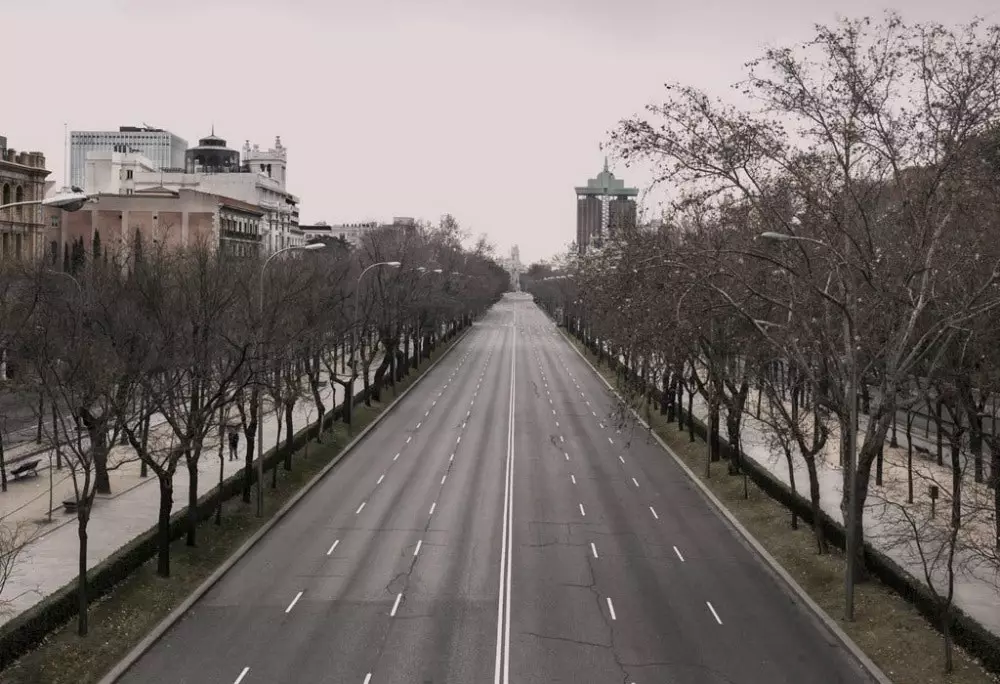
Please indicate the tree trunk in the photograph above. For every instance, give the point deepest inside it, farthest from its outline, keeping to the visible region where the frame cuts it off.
(690, 416)
(163, 525)
(909, 456)
(791, 480)
(814, 504)
(317, 396)
(82, 518)
(3, 465)
(191, 458)
(940, 438)
(289, 434)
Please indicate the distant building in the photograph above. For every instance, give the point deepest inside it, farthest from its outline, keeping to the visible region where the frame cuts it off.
(351, 232)
(604, 206)
(164, 218)
(22, 179)
(164, 149)
(514, 268)
(211, 167)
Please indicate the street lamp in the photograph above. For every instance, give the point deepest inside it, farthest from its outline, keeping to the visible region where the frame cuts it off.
(67, 199)
(357, 291)
(852, 428)
(312, 247)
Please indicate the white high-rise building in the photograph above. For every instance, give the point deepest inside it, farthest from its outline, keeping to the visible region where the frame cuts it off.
(164, 149)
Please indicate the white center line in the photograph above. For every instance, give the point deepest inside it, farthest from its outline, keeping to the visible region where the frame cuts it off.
(419, 544)
(360, 507)
(395, 457)
(409, 438)
(593, 549)
(583, 512)
(292, 604)
(330, 552)
(573, 477)
(611, 609)
(381, 477)
(395, 605)
(635, 482)
(432, 508)
(678, 552)
(242, 675)
(443, 478)
(714, 614)
(653, 511)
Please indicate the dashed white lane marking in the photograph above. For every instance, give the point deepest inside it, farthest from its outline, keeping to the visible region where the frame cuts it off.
(433, 505)
(380, 478)
(409, 438)
(395, 457)
(600, 425)
(611, 440)
(434, 403)
(443, 478)
(594, 413)
(653, 511)
(368, 678)
(561, 438)
(395, 605)
(244, 674)
(714, 614)
(621, 459)
(468, 413)
(635, 482)
(451, 458)
(583, 512)
(459, 440)
(330, 552)
(573, 478)
(550, 401)
(678, 552)
(553, 412)
(419, 544)
(360, 507)
(292, 604)
(611, 608)
(557, 422)
(593, 549)
(566, 455)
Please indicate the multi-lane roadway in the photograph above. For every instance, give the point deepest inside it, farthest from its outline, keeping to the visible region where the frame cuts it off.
(498, 527)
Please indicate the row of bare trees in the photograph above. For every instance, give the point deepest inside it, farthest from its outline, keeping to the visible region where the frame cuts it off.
(831, 244)
(206, 343)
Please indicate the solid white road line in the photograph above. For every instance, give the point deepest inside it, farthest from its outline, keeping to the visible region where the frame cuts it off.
(611, 608)
(395, 605)
(653, 511)
(635, 482)
(419, 544)
(292, 604)
(573, 477)
(501, 672)
(431, 512)
(380, 478)
(330, 552)
(360, 507)
(593, 549)
(678, 552)
(714, 614)
(242, 675)
(583, 512)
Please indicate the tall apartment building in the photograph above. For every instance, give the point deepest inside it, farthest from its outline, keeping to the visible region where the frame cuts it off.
(22, 179)
(604, 207)
(163, 148)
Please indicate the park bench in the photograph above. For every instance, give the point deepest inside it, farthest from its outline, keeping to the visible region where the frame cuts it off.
(25, 468)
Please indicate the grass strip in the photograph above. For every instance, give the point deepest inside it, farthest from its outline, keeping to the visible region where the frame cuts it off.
(907, 648)
(119, 620)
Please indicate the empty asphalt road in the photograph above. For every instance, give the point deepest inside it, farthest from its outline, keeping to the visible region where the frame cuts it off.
(498, 528)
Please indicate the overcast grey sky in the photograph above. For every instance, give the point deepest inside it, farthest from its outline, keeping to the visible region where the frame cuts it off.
(491, 110)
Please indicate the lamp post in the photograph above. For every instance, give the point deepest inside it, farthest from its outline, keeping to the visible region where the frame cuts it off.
(852, 429)
(67, 199)
(357, 291)
(260, 345)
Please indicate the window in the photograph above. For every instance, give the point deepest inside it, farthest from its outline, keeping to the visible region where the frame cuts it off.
(128, 174)
(6, 194)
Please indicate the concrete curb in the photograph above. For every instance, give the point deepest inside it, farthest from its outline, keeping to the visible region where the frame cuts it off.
(831, 625)
(122, 667)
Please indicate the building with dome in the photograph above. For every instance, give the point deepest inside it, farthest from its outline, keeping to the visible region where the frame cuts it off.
(211, 156)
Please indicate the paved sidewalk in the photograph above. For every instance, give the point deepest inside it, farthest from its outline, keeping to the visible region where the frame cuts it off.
(976, 591)
(49, 560)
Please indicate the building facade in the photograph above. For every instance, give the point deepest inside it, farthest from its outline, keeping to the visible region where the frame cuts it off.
(353, 233)
(604, 207)
(22, 179)
(161, 218)
(211, 167)
(163, 148)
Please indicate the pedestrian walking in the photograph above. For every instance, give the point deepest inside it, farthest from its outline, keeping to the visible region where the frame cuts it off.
(234, 443)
